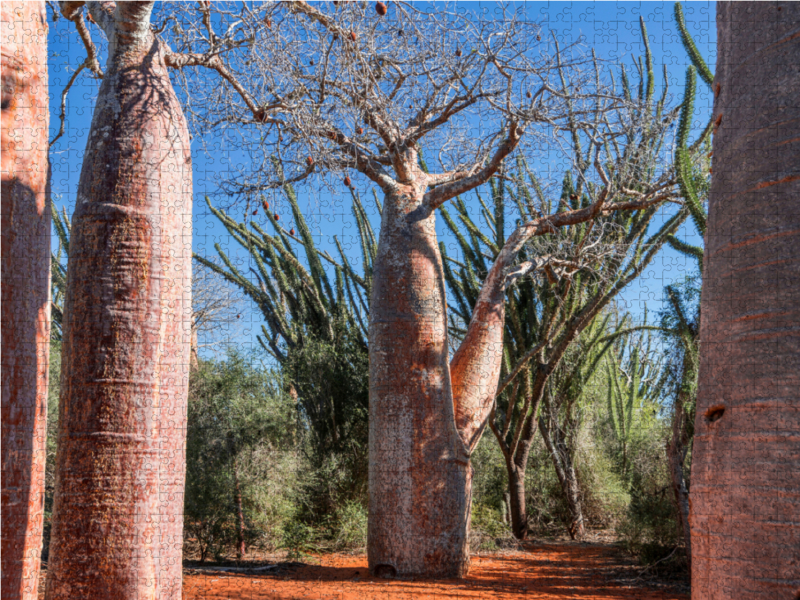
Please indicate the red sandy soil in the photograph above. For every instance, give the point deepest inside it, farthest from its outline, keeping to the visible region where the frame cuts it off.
(545, 571)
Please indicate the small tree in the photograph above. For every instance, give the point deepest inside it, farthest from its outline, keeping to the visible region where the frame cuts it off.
(564, 404)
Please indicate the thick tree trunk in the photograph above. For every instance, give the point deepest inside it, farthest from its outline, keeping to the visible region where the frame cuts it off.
(117, 518)
(519, 514)
(419, 472)
(745, 494)
(25, 284)
(567, 477)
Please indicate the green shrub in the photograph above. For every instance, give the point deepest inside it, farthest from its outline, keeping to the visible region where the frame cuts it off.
(298, 539)
(350, 527)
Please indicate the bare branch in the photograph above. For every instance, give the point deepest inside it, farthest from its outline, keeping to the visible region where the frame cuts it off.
(467, 180)
(64, 92)
(73, 11)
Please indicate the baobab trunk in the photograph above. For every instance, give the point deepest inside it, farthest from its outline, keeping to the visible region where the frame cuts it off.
(117, 518)
(425, 418)
(25, 284)
(745, 494)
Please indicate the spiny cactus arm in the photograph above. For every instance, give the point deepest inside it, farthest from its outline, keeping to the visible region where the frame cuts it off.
(488, 216)
(372, 240)
(686, 249)
(378, 204)
(662, 101)
(346, 265)
(683, 165)
(455, 284)
(651, 80)
(366, 255)
(687, 108)
(640, 69)
(626, 87)
(535, 184)
(499, 196)
(613, 401)
(691, 49)
(477, 235)
(61, 227)
(633, 391)
(312, 256)
(362, 327)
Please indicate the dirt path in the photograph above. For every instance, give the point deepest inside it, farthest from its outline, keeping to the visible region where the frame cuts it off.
(556, 571)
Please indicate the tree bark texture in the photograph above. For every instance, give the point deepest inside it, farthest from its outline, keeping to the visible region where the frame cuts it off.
(519, 512)
(117, 518)
(25, 284)
(745, 494)
(426, 415)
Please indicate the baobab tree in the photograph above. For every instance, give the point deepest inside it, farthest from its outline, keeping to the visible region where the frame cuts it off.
(25, 327)
(745, 494)
(352, 89)
(117, 526)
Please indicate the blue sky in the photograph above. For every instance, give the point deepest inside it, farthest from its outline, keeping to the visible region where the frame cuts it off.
(611, 28)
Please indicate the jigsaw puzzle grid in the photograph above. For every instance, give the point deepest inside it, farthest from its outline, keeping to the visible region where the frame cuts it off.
(612, 29)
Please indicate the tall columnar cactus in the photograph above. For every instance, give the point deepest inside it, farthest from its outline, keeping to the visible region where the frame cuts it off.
(681, 322)
(634, 381)
(315, 325)
(297, 300)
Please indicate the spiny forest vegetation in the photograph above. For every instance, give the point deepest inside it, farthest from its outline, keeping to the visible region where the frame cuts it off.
(411, 397)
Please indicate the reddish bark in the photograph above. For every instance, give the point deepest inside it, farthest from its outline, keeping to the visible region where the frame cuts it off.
(427, 414)
(745, 489)
(419, 467)
(25, 284)
(117, 518)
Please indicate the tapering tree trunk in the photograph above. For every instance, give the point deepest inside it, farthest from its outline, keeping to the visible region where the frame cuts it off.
(25, 284)
(745, 494)
(419, 471)
(519, 513)
(117, 518)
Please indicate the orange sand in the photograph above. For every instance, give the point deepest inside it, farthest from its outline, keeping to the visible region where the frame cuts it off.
(556, 571)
